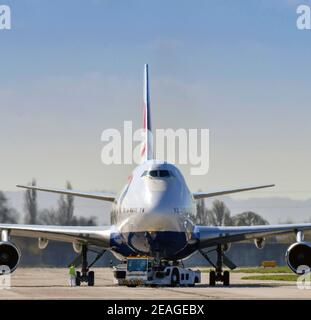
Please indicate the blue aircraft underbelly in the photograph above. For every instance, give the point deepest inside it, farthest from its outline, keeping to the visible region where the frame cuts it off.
(169, 245)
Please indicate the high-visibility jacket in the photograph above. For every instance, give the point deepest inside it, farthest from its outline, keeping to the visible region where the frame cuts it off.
(72, 271)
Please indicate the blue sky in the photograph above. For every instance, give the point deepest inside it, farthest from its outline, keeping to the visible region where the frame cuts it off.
(70, 69)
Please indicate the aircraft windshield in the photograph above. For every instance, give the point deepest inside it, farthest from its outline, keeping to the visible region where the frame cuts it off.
(157, 173)
(164, 173)
(153, 173)
(137, 264)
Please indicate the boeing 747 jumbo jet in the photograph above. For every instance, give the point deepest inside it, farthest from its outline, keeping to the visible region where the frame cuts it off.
(160, 230)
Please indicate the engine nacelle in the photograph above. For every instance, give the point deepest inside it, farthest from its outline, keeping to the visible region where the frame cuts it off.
(9, 255)
(260, 243)
(298, 254)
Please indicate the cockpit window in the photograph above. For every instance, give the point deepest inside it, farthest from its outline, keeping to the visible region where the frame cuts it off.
(153, 173)
(164, 173)
(157, 173)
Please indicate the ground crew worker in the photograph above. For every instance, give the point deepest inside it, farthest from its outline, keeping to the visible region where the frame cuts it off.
(72, 276)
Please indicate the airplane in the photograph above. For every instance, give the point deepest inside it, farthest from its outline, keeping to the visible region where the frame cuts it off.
(153, 219)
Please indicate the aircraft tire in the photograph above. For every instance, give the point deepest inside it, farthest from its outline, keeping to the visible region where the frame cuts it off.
(175, 278)
(226, 278)
(78, 278)
(91, 279)
(212, 278)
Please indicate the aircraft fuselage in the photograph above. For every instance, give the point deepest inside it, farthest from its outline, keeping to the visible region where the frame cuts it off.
(153, 213)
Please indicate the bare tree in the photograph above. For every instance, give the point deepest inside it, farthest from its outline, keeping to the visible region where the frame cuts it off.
(53, 217)
(201, 216)
(66, 208)
(64, 214)
(248, 218)
(31, 207)
(218, 215)
(7, 214)
(82, 221)
(49, 216)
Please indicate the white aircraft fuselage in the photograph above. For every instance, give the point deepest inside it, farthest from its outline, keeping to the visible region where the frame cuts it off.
(153, 213)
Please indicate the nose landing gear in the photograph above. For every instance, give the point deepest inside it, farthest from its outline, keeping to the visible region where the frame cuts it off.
(218, 275)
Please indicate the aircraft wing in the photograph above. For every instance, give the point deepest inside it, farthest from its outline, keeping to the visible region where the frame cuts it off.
(92, 195)
(211, 236)
(89, 234)
(200, 195)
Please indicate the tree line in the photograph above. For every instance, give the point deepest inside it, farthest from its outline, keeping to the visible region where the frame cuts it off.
(218, 215)
(63, 214)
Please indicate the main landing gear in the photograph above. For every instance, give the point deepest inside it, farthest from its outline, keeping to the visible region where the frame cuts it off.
(218, 275)
(86, 275)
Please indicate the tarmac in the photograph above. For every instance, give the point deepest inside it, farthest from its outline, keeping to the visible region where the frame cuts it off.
(52, 283)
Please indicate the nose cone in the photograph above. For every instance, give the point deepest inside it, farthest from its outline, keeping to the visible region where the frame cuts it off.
(161, 197)
(160, 185)
(157, 234)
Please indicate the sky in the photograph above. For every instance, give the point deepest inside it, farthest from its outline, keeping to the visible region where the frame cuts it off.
(71, 69)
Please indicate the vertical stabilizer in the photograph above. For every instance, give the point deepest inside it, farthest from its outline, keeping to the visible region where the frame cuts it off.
(147, 150)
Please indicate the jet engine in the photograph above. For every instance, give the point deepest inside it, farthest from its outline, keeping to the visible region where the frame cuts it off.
(298, 254)
(9, 255)
(260, 243)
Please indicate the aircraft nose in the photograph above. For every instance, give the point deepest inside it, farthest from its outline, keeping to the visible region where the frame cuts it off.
(157, 185)
(158, 233)
(158, 222)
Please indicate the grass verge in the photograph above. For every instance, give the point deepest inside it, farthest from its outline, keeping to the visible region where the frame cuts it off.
(276, 277)
(260, 270)
(263, 270)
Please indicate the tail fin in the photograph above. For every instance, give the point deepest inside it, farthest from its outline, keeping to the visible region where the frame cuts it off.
(147, 150)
